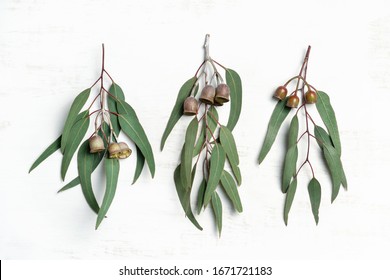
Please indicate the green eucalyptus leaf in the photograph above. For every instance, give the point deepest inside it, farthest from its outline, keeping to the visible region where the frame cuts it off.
(85, 161)
(76, 135)
(278, 116)
(217, 162)
(139, 166)
(230, 187)
(322, 136)
(290, 160)
(177, 110)
(125, 108)
(217, 208)
(332, 160)
(229, 145)
(212, 118)
(289, 199)
(314, 189)
(233, 80)
(46, 153)
(199, 142)
(117, 94)
(112, 172)
(133, 129)
(186, 155)
(97, 158)
(54, 146)
(335, 166)
(77, 105)
(200, 197)
(329, 118)
(236, 172)
(184, 197)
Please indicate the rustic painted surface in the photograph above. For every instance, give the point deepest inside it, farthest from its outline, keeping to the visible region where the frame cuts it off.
(50, 51)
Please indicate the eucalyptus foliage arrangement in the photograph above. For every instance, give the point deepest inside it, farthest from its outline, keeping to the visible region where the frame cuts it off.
(112, 116)
(207, 138)
(328, 138)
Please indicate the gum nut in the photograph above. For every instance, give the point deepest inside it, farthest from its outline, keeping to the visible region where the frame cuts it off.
(190, 106)
(114, 150)
(280, 93)
(125, 150)
(207, 95)
(96, 144)
(222, 93)
(293, 101)
(311, 97)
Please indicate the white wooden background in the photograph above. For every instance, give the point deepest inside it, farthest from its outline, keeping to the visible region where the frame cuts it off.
(50, 51)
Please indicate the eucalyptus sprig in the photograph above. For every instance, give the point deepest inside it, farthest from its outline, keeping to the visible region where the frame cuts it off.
(113, 115)
(206, 137)
(327, 139)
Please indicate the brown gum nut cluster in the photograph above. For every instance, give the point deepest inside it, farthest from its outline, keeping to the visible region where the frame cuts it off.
(293, 100)
(209, 95)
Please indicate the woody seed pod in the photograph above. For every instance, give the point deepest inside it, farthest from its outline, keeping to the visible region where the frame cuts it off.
(190, 106)
(293, 101)
(222, 93)
(114, 150)
(125, 150)
(207, 95)
(96, 144)
(280, 93)
(311, 97)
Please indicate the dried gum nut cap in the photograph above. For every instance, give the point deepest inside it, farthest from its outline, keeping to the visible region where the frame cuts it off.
(280, 93)
(96, 144)
(114, 150)
(311, 97)
(190, 106)
(207, 95)
(125, 151)
(293, 101)
(222, 93)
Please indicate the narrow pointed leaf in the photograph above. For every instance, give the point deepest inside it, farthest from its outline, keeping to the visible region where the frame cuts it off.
(112, 172)
(186, 155)
(200, 197)
(85, 162)
(332, 160)
(230, 187)
(323, 137)
(97, 158)
(139, 166)
(229, 145)
(290, 160)
(54, 146)
(76, 135)
(233, 80)
(329, 118)
(199, 143)
(46, 153)
(278, 116)
(236, 172)
(217, 162)
(212, 118)
(217, 208)
(117, 94)
(184, 197)
(289, 199)
(177, 110)
(133, 129)
(314, 189)
(77, 105)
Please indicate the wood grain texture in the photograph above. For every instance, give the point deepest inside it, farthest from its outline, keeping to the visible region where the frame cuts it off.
(50, 51)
